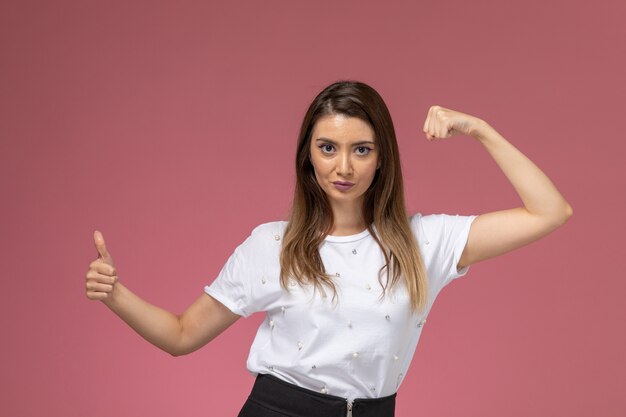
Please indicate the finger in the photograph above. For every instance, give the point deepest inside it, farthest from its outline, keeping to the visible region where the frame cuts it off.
(97, 295)
(425, 128)
(437, 122)
(101, 278)
(100, 266)
(97, 287)
(443, 125)
(101, 247)
(431, 123)
(434, 123)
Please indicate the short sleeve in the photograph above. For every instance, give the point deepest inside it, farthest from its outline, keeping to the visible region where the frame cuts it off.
(239, 284)
(230, 287)
(442, 239)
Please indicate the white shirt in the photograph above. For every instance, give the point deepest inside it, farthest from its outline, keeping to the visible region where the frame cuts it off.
(357, 346)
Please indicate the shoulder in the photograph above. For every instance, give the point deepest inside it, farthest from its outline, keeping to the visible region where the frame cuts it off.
(430, 226)
(264, 240)
(274, 230)
(422, 223)
(434, 220)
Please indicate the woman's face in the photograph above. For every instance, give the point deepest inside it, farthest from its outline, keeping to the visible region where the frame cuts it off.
(344, 155)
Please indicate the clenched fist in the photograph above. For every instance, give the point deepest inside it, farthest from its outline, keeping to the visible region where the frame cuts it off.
(102, 275)
(443, 123)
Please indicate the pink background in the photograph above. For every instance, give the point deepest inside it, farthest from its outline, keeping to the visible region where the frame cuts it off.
(171, 127)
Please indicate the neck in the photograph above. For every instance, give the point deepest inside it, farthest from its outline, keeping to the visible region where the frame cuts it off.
(348, 219)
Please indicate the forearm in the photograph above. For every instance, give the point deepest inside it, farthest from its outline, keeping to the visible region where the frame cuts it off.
(158, 326)
(539, 195)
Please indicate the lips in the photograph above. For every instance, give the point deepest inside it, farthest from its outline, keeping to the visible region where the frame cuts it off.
(343, 185)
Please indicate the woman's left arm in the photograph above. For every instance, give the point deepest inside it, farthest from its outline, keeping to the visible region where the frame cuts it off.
(498, 232)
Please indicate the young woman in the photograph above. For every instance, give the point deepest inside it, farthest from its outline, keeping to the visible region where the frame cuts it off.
(348, 281)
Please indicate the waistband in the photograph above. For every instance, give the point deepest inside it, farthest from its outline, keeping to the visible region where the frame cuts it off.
(293, 400)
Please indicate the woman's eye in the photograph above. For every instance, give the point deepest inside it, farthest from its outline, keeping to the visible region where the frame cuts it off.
(327, 148)
(362, 150)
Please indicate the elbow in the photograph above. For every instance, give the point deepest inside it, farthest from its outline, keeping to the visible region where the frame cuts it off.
(569, 212)
(178, 352)
(177, 346)
(175, 354)
(563, 216)
(183, 350)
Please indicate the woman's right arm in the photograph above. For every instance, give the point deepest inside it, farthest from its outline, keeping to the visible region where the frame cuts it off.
(178, 335)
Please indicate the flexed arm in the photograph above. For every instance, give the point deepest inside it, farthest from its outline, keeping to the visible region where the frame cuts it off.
(498, 232)
(178, 335)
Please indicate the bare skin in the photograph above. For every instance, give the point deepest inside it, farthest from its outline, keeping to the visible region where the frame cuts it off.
(344, 149)
(498, 232)
(178, 335)
(338, 154)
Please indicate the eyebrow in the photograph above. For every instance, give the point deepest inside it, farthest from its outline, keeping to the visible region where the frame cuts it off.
(362, 142)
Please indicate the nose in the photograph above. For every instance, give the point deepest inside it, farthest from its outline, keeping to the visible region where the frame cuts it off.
(344, 165)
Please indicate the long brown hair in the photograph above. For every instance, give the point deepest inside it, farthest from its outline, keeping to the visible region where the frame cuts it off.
(311, 217)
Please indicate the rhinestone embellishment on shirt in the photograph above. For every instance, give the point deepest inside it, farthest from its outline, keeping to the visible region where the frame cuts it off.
(399, 379)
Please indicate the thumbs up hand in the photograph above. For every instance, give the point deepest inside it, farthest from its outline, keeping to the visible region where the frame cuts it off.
(102, 275)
